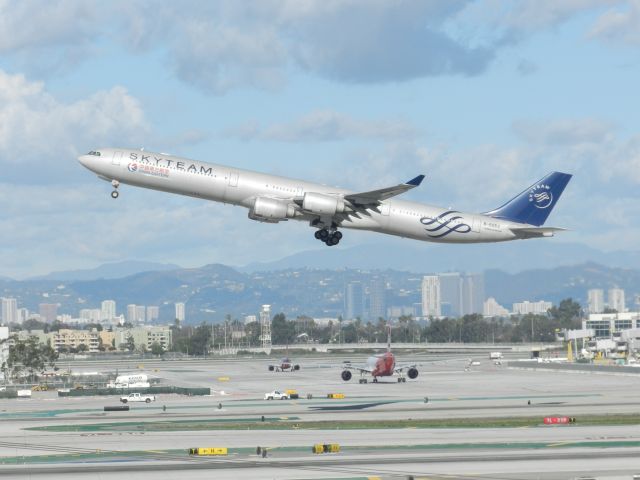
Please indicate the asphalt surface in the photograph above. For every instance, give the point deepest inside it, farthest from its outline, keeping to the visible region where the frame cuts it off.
(53, 437)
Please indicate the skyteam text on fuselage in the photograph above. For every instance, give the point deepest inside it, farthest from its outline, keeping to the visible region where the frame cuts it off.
(273, 199)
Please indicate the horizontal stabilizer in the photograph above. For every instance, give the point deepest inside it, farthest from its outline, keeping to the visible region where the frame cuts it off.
(374, 197)
(535, 232)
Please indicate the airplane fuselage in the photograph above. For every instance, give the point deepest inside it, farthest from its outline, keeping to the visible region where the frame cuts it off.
(382, 365)
(240, 187)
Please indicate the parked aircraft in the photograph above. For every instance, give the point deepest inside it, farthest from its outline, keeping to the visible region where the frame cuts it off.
(284, 365)
(382, 365)
(272, 199)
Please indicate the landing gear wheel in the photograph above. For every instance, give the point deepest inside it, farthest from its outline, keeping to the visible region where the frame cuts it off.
(114, 194)
(333, 240)
(317, 234)
(324, 235)
(338, 235)
(375, 380)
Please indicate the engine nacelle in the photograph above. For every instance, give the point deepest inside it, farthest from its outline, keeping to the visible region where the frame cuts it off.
(346, 375)
(271, 210)
(412, 373)
(322, 204)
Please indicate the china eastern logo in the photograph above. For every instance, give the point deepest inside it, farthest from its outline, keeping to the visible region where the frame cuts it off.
(133, 167)
(541, 196)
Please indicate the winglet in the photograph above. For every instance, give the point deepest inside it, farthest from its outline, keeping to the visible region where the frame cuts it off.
(415, 181)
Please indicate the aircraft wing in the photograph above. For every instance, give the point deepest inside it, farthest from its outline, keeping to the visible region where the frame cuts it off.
(535, 232)
(374, 197)
(363, 369)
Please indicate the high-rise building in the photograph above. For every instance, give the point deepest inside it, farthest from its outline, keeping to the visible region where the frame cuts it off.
(472, 293)
(141, 313)
(23, 315)
(180, 312)
(431, 296)
(595, 300)
(9, 310)
(451, 297)
(131, 313)
(492, 308)
(616, 300)
(108, 310)
(377, 299)
(48, 311)
(354, 301)
(153, 313)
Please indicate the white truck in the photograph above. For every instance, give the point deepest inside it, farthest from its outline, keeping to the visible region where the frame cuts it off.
(138, 397)
(276, 395)
(495, 356)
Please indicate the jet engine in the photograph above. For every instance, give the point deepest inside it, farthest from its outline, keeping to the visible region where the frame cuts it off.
(271, 368)
(346, 375)
(412, 373)
(271, 210)
(321, 204)
(296, 367)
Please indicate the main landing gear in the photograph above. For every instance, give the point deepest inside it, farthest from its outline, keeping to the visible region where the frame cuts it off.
(115, 184)
(331, 238)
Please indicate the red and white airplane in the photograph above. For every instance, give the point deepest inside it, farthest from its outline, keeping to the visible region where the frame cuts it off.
(284, 365)
(382, 365)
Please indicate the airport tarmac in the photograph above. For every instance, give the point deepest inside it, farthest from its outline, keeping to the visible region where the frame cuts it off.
(73, 437)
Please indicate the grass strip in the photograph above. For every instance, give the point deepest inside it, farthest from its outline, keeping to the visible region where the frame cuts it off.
(293, 423)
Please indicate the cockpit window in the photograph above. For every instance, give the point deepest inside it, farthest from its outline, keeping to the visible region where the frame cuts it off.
(97, 154)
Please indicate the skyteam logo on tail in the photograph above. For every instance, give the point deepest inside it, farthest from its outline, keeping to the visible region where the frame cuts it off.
(541, 196)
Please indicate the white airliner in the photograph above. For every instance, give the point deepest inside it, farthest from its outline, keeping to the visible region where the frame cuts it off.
(273, 199)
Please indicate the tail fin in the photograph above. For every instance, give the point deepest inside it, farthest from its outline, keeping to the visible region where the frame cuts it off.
(534, 205)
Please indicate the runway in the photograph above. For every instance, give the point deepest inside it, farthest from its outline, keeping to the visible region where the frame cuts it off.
(73, 437)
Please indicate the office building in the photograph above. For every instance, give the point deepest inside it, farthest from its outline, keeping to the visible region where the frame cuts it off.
(451, 303)
(153, 313)
(537, 308)
(108, 310)
(9, 310)
(616, 301)
(180, 312)
(354, 301)
(141, 313)
(472, 293)
(595, 300)
(377, 299)
(492, 308)
(431, 296)
(91, 315)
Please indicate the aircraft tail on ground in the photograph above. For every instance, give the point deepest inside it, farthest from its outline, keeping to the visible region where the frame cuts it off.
(534, 205)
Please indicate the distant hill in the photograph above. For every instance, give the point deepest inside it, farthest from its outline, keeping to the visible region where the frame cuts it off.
(413, 256)
(109, 270)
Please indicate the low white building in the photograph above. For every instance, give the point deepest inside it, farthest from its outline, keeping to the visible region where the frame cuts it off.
(536, 308)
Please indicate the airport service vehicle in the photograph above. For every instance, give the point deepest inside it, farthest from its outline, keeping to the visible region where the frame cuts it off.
(273, 199)
(284, 366)
(276, 395)
(138, 397)
(383, 365)
(495, 355)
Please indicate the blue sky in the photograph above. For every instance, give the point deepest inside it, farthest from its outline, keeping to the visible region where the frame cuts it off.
(484, 97)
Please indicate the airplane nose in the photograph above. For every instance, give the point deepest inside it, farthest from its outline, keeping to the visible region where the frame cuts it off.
(83, 160)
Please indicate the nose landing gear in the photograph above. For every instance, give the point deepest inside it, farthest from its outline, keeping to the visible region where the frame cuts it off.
(330, 238)
(115, 184)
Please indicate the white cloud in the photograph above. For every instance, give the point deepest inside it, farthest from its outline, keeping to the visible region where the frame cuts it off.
(324, 126)
(37, 129)
(619, 25)
(563, 131)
